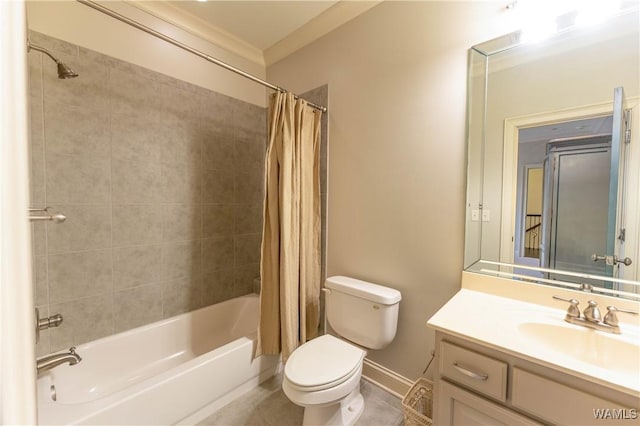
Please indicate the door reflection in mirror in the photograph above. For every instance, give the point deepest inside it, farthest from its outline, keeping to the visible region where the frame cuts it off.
(564, 167)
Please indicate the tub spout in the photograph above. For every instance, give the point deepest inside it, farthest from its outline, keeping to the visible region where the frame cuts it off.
(51, 361)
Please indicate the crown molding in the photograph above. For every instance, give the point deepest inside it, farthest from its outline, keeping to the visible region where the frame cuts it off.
(200, 28)
(337, 15)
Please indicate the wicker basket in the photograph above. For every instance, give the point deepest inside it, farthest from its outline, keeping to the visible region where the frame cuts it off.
(417, 403)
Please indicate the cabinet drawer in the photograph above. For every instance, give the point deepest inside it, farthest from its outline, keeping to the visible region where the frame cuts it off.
(561, 404)
(476, 371)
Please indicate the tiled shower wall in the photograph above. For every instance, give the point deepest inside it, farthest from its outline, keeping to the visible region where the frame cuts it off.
(161, 182)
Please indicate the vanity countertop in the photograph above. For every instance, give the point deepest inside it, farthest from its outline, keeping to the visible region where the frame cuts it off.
(539, 334)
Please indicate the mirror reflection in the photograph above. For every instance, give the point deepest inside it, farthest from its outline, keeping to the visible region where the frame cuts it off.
(553, 179)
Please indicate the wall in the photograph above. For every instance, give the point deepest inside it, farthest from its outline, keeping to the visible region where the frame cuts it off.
(17, 340)
(396, 195)
(161, 182)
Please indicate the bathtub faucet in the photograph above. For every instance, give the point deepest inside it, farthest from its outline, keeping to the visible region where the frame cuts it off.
(51, 361)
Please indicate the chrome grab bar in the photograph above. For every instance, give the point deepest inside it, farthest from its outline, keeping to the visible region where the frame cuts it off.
(55, 218)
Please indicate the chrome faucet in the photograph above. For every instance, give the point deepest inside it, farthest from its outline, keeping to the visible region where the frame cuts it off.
(592, 317)
(51, 361)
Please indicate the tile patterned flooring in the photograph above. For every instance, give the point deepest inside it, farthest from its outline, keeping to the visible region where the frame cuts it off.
(267, 405)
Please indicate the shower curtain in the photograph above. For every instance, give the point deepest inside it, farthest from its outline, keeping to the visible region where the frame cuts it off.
(290, 262)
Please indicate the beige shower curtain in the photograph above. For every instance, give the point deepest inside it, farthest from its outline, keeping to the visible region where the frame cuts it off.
(290, 263)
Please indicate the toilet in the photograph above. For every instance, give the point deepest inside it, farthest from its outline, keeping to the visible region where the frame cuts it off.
(323, 374)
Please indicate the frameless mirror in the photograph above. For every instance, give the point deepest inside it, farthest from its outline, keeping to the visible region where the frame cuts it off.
(553, 179)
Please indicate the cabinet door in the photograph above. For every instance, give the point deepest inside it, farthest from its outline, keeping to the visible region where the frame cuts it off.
(457, 407)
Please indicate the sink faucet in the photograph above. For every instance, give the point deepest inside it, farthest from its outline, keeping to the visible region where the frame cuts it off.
(51, 361)
(592, 317)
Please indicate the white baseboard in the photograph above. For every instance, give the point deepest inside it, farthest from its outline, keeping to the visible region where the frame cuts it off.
(386, 379)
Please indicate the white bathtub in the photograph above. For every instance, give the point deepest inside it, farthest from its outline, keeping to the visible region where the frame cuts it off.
(177, 370)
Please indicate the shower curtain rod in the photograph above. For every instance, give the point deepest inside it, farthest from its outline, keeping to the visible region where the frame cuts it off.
(183, 46)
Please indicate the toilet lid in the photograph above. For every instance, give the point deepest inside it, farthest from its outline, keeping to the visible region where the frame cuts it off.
(322, 361)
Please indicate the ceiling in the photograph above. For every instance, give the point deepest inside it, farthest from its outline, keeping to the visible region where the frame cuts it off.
(259, 23)
(569, 129)
(261, 31)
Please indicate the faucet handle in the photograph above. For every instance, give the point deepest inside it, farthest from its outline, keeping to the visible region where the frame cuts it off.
(591, 312)
(573, 311)
(611, 318)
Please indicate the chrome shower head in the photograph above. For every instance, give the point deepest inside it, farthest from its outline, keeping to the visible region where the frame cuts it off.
(63, 70)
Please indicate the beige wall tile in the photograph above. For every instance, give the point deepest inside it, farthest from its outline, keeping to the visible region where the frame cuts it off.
(73, 130)
(218, 220)
(134, 137)
(78, 180)
(84, 320)
(217, 108)
(137, 306)
(180, 100)
(181, 222)
(245, 279)
(40, 279)
(248, 218)
(43, 347)
(218, 286)
(36, 149)
(248, 188)
(180, 142)
(34, 59)
(181, 260)
(217, 186)
(181, 295)
(251, 117)
(77, 275)
(136, 224)
(181, 184)
(218, 147)
(250, 154)
(217, 253)
(39, 238)
(135, 266)
(130, 91)
(136, 182)
(86, 227)
(247, 249)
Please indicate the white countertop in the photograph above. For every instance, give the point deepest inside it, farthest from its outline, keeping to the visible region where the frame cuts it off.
(539, 333)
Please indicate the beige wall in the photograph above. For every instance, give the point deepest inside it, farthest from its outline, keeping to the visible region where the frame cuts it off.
(78, 24)
(397, 99)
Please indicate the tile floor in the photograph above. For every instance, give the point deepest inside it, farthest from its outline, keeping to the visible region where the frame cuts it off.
(267, 405)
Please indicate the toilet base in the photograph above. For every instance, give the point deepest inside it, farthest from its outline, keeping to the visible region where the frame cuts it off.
(345, 412)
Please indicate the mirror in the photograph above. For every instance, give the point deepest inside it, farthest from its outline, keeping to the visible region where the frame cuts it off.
(553, 175)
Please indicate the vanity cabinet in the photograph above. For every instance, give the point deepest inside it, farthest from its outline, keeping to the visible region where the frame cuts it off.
(457, 406)
(479, 385)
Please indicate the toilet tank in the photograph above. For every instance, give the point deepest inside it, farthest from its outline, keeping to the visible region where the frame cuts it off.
(362, 312)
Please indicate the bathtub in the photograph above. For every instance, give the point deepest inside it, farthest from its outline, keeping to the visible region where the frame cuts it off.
(175, 371)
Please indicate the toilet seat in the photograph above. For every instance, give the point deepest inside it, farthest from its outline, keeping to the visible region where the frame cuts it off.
(322, 363)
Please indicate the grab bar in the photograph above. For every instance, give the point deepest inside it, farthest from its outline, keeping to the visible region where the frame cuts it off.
(55, 218)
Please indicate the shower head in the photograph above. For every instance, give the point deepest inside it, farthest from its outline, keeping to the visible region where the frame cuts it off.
(63, 70)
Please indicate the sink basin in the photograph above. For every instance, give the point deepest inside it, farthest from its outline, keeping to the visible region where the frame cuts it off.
(597, 348)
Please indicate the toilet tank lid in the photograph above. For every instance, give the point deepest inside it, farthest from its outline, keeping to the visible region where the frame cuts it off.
(365, 290)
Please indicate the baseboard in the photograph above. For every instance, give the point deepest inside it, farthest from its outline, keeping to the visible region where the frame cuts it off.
(386, 379)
